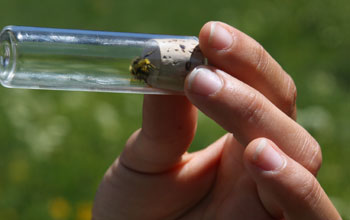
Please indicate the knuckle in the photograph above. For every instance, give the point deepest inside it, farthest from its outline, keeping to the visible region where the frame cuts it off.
(290, 96)
(263, 64)
(262, 58)
(316, 157)
(310, 192)
(254, 108)
(310, 152)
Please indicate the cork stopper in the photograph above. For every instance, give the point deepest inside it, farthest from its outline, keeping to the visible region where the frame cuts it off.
(173, 59)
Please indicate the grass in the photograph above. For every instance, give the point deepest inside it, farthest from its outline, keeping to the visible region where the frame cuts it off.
(55, 146)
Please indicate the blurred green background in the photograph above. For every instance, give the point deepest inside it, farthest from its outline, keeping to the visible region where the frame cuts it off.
(55, 146)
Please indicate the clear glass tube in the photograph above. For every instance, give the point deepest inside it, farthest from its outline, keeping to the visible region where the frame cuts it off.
(61, 59)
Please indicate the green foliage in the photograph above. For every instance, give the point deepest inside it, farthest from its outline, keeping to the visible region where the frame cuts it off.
(55, 146)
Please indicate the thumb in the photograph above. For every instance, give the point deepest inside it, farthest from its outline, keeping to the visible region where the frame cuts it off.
(286, 189)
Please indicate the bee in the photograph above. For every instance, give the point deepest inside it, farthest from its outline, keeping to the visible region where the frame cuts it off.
(141, 67)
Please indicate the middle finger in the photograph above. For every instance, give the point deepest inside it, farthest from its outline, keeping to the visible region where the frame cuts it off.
(242, 57)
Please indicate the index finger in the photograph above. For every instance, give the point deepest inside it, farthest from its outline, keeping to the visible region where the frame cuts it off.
(242, 57)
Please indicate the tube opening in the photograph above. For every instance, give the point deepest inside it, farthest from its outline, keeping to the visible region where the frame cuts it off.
(7, 55)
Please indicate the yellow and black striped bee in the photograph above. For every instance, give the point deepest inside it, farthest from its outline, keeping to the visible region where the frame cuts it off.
(141, 67)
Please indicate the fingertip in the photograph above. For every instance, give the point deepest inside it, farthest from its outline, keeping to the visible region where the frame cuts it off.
(263, 154)
(286, 188)
(248, 155)
(204, 35)
(203, 81)
(215, 36)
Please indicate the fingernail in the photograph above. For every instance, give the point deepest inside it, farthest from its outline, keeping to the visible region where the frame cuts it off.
(219, 37)
(203, 81)
(266, 157)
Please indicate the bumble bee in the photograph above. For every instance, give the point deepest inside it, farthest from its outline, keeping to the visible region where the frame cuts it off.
(141, 67)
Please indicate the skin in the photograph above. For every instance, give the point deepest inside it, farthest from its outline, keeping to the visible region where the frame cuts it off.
(236, 177)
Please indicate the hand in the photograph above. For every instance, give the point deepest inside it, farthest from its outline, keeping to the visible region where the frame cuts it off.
(266, 170)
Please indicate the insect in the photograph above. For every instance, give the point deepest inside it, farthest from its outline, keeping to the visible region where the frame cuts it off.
(141, 67)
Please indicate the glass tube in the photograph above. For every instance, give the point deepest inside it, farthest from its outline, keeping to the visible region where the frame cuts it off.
(61, 59)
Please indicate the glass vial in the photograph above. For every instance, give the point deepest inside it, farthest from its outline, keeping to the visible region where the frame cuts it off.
(61, 59)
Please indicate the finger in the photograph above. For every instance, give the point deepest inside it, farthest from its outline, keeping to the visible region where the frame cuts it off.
(133, 195)
(246, 113)
(286, 188)
(168, 127)
(241, 56)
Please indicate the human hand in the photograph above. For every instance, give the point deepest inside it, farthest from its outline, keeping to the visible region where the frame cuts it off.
(266, 170)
